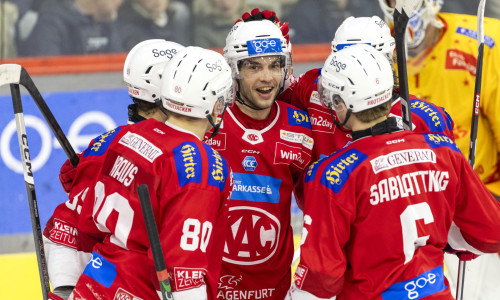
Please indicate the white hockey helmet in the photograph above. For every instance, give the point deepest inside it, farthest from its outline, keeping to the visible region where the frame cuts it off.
(194, 81)
(358, 75)
(365, 30)
(144, 66)
(256, 39)
(426, 13)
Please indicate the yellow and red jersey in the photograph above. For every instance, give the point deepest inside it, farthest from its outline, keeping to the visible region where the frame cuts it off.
(445, 75)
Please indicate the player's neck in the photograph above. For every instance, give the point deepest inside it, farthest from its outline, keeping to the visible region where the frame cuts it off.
(255, 114)
(357, 125)
(197, 126)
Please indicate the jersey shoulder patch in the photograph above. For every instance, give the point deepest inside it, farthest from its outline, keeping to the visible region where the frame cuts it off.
(297, 117)
(101, 143)
(188, 163)
(218, 168)
(337, 171)
(436, 140)
(430, 114)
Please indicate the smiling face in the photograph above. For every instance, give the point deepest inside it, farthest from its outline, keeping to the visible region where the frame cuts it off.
(259, 79)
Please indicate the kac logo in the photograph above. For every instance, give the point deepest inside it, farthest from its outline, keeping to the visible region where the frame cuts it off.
(249, 163)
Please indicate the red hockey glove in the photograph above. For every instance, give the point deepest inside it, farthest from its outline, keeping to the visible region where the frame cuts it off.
(461, 254)
(67, 174)
(257, 15)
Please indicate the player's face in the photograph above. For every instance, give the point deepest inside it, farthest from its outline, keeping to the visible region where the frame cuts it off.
(391, 3)
(259, 80)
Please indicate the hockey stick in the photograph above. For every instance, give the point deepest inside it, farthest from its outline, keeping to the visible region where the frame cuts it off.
(402, 12)
(30, 189)
(474, 124)
(154, 241)
(16, 74)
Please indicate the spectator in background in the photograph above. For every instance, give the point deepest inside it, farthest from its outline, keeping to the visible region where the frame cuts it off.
(313, 21)
(9, 15)
(213, 19)
(159, 19)
(75, 27)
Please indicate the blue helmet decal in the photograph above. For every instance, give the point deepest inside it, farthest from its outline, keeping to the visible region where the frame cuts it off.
(263, 46)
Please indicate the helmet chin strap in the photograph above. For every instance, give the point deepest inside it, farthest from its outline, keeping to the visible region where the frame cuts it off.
(216, 126)
(338, 124)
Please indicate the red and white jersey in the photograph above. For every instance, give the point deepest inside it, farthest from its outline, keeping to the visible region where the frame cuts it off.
(189, 188)
(377, 217)
(268, 158)
(426, 117)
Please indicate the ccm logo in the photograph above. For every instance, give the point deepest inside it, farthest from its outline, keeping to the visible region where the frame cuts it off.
(395, 141)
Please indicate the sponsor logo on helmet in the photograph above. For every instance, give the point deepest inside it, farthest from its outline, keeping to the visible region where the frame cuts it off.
(337, 172)
(188, 278)
(101, 143)
(133, 91)
(337, 64)
(177, 107)
(402, 158)
(298, 118)
(256, 188)
(430, 114)
(249, 163)
(141, 146)
(217, 66)
(380, 23)
(168, 53)
(101, 270)
(254, 238)
(188, 163)
(217, 167)
(261, 46)
(436, 140)
(379, 99)
(425, 284)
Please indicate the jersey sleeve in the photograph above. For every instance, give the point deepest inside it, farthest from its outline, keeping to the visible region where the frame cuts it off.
(323, 257)
(477, 213)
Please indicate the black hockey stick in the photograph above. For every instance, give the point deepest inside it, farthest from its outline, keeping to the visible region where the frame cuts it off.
(16, 74)
(30, 189)
(474, 124)
(402, 12)
(154, 241)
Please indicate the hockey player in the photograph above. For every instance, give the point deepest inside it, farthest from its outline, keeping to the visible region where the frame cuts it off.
(142, 74)
(330, 137)
(189, 185)
(268, 146)
(441, 67)
(378, 212)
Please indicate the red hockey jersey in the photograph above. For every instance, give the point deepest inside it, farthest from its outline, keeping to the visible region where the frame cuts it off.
(378, 213)
(267, 161)
(189, 188)
(426, 117)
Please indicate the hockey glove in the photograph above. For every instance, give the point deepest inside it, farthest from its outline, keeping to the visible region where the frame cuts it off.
(257, 15)
(67, 174)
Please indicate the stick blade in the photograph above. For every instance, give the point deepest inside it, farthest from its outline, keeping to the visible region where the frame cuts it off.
(10, 74)
(408, 6)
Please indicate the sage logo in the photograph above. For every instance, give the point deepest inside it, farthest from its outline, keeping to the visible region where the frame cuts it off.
(337, 64)
(249, 163)
(217, 66)
(260, 46)
(168, 53)
(425, 284)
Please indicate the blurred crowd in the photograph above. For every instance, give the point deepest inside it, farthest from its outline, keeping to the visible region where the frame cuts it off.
(71, 27)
